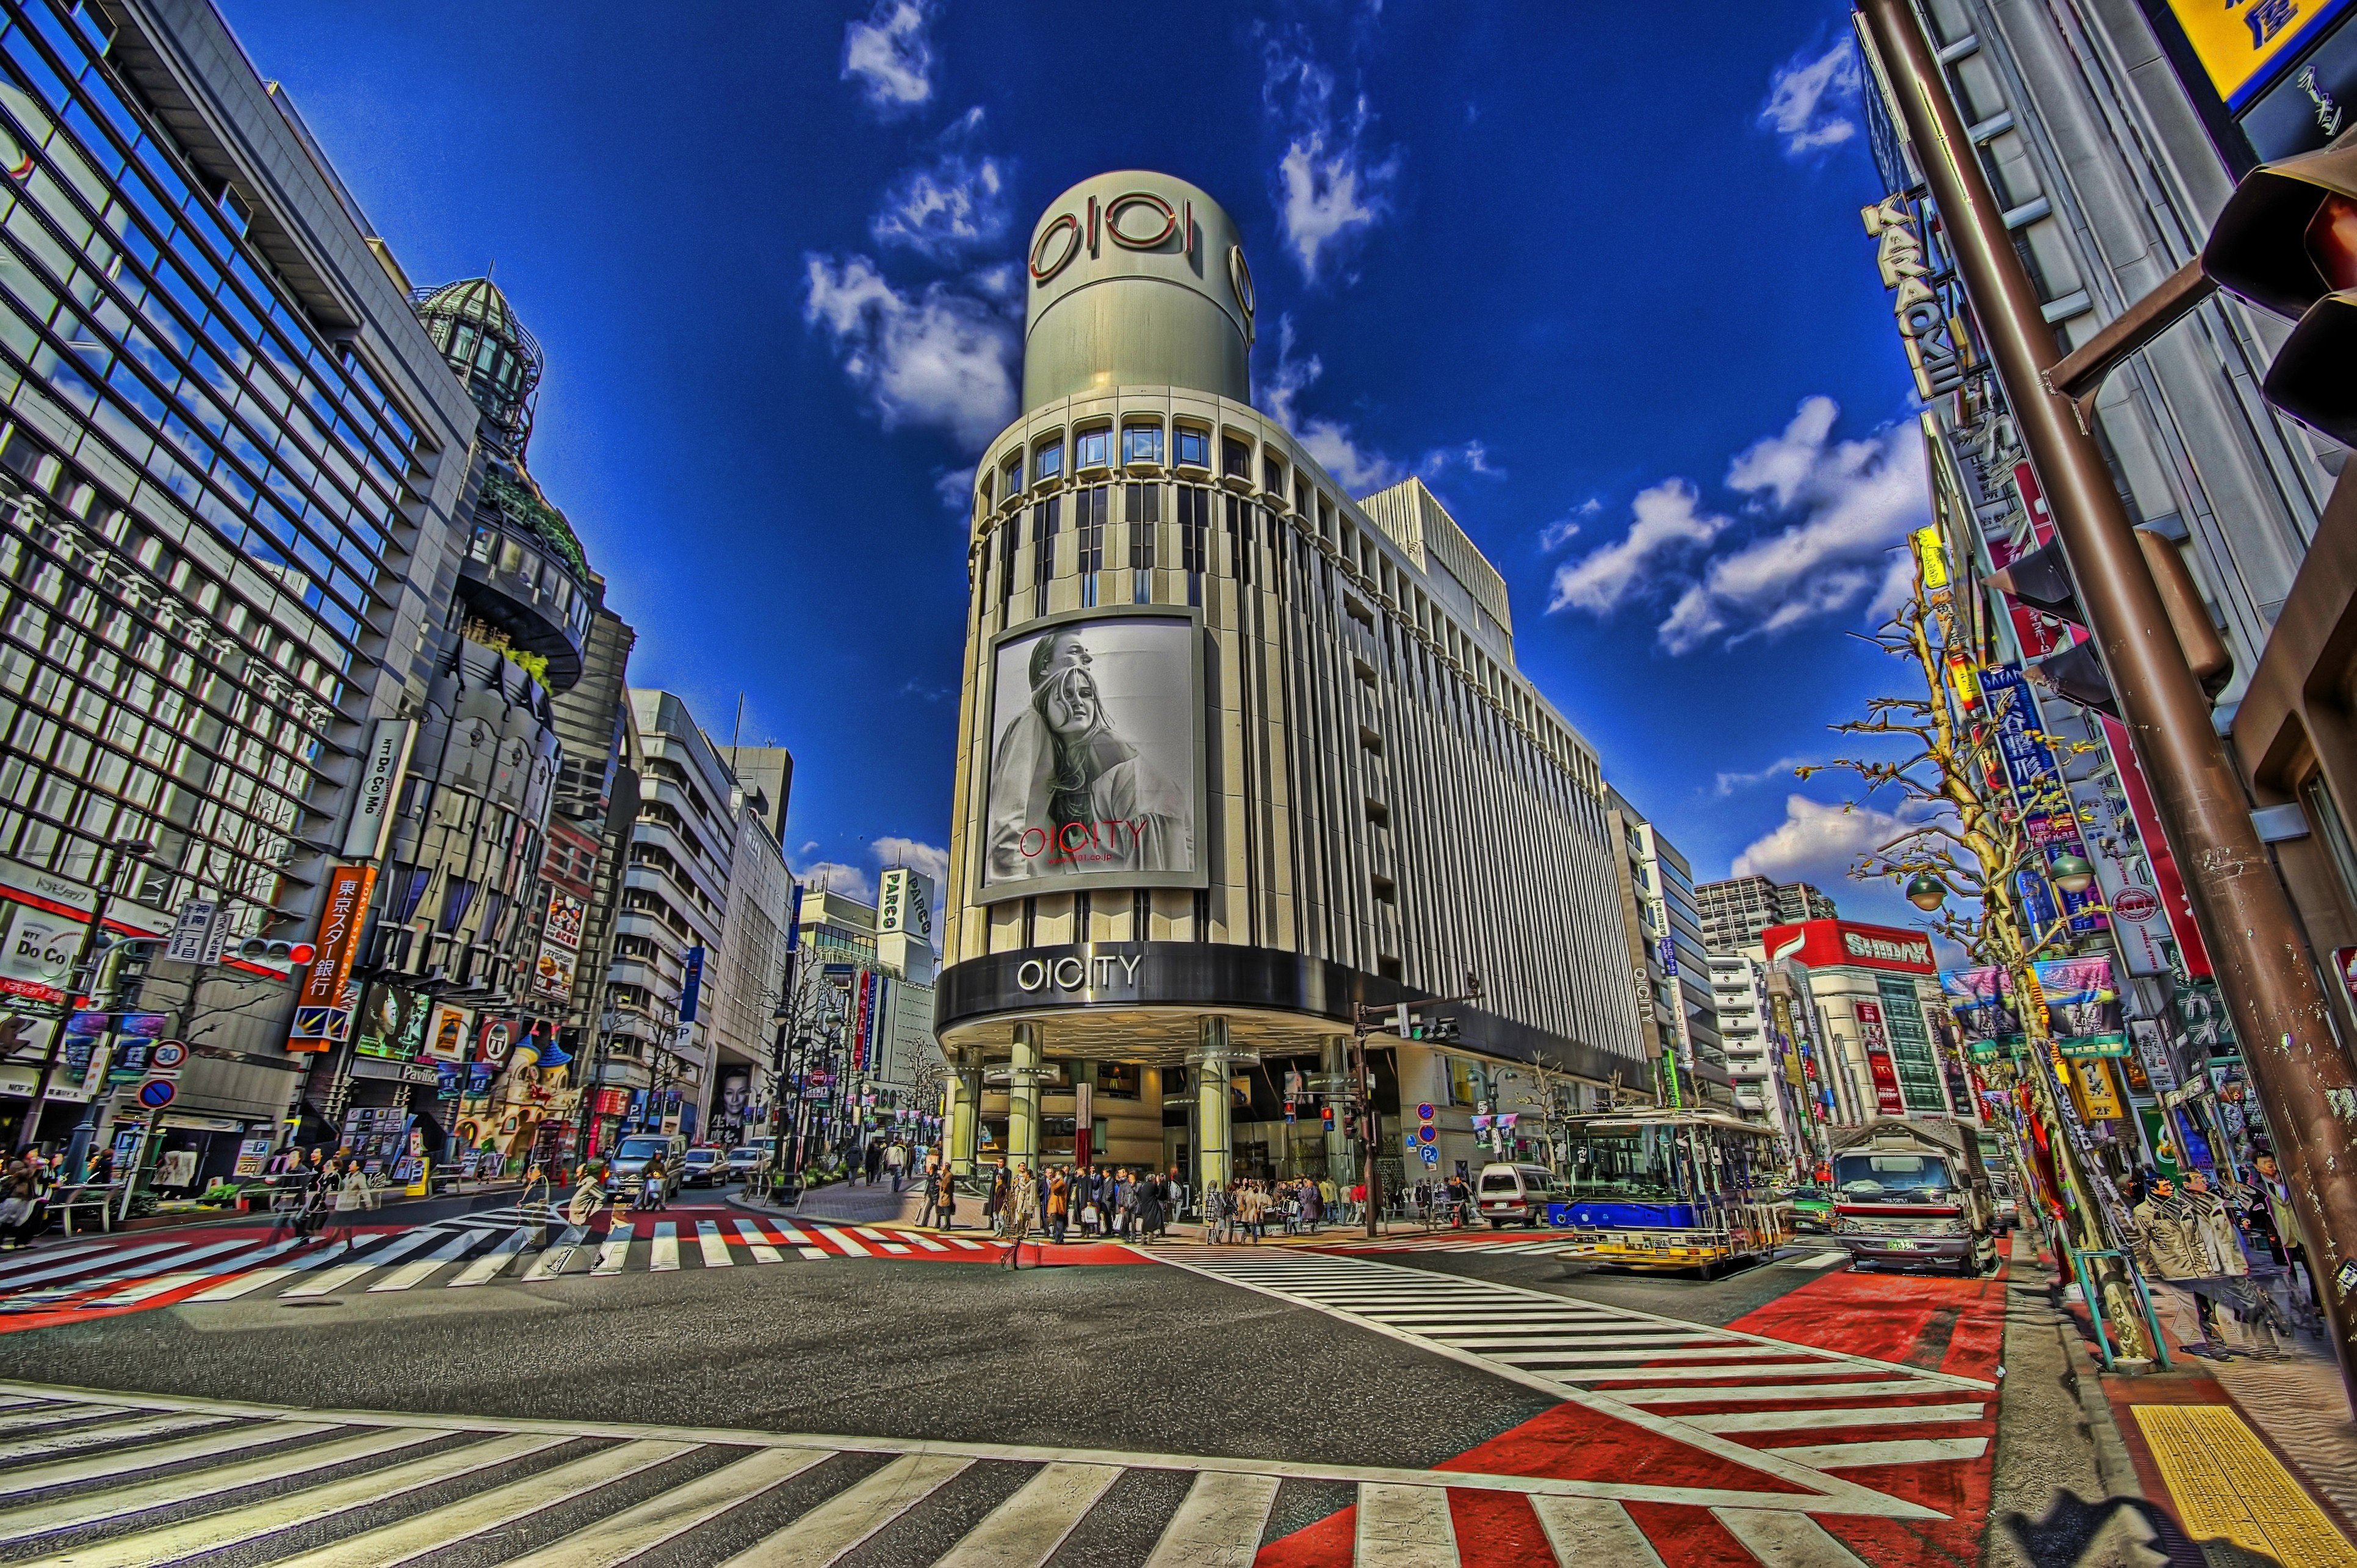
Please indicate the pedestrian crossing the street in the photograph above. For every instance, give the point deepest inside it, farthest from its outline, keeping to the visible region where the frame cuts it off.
(511, 1245)
(1792, 1409)
(121, 1481)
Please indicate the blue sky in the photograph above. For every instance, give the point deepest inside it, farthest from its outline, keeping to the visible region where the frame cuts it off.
(1597, 272)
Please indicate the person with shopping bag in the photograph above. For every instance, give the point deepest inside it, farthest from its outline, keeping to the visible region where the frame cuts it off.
(1021, 1213)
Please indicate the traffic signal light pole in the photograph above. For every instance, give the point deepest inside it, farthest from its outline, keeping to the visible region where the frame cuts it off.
(2258, 946)
(1365, 1018)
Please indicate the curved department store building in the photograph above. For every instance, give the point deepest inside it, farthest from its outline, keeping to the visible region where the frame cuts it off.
(1238, 751)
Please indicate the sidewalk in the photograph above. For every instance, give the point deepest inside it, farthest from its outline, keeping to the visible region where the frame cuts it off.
(2252, 1460)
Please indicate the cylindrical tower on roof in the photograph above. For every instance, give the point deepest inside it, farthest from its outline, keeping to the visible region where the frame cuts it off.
(1137, 279)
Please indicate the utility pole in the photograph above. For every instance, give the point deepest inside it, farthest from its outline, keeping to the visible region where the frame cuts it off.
(2258, 946)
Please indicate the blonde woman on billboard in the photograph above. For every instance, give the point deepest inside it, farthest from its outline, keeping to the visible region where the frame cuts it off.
(1067, 793)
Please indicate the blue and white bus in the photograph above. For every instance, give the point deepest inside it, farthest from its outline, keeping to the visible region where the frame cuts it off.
(1670, 1190)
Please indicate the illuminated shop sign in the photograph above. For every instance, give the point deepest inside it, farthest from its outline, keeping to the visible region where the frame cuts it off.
(1926, 326)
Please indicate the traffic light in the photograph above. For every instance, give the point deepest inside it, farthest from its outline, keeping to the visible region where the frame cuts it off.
(276, 955)
(1327, 1114)
(2287, 241)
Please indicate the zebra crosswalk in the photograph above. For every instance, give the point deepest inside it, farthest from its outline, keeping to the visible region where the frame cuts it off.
(513, 1244)
(1793, 1411)
(124, 1480)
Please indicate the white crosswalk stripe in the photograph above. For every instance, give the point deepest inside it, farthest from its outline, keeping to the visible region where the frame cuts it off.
(363, 1489)
(1649, 1367)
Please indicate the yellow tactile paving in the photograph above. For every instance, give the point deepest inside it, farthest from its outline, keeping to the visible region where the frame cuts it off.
(2227, 1487)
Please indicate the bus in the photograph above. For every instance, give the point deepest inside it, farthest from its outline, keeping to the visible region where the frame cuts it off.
(1670, 1190)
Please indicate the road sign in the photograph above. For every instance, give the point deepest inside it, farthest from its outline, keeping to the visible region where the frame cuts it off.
(1431, 1155)
(167, 1057)
(1426, 1134)
(1424, 1112)
(157, 1093)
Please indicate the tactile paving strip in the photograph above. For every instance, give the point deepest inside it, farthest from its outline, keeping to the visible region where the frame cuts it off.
(2227, 1487)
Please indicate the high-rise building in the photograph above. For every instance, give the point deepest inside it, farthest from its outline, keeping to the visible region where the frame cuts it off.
(230, 468)
(1667, 959)
(1735, 911)
(1239, 752)
(1885, 1045)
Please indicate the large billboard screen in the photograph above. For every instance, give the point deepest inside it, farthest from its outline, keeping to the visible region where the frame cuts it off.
(1096, 755)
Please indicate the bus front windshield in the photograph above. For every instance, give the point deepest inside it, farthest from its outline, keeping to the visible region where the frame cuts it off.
(1647, 1164)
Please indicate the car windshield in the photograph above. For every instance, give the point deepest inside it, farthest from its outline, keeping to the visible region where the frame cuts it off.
(1894, 1178)
(702, 1156)
(641, 1148)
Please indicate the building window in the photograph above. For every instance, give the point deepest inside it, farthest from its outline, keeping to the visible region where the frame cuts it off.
(1091, 449)
(1194, 528)
(1119, 1080)
(1141, 444)
(1142, 509)
(1272, 475)
(1089, 520)
(1047, 462)
(1011, 476)
(1194, 447)
(1010, 540)
(1235, 458)
(1043, 545)
(1141, 914)
(2333, 830)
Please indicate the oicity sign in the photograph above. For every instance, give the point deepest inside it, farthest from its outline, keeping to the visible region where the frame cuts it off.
(1073, 974)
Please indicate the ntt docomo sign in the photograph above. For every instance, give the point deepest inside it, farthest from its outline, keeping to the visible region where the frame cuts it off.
(1834, 944)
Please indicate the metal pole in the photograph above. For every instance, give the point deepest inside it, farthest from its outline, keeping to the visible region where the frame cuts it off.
(2258, 946)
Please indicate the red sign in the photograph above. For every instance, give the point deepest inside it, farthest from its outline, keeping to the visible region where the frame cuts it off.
(1834, 944)
(2157, 853)
(1887, 1098)
(340, 918)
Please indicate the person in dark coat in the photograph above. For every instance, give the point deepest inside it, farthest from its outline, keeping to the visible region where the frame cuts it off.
(1148, 1195)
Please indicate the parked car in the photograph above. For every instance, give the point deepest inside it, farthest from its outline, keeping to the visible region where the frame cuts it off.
(627, 1173)
(749, 1162)
(1514, 1192)
(703, 1166)
(1812, 1207)
(2008, 1210)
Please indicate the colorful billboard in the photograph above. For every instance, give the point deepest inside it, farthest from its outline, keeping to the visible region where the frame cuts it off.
(322, 1010)
(2083, 1007)
(1982, 1003)
(1096, 755)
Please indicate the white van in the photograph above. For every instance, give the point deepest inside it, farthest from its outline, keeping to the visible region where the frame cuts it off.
(1515, 1192)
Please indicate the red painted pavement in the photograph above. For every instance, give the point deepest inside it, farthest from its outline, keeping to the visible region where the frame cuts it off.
(1889, 1317)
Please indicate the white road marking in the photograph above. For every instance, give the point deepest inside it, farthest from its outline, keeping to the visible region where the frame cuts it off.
(245, 1284)
(1786, 1540)
(1405, 1527)
(1025, 1531)
(671, 1514)
(757, 1243)
(40, 1478)
(1219, 1523)
(485, 1269)
(411, 1275)
(552, 1261)
(1593, 1530)
(335, 1279)
(1811, 1420)
(851, 1515)
(663, 1253)
(1816, 1260)
(713, 1245)
(615, 1250)
(1898, 1451)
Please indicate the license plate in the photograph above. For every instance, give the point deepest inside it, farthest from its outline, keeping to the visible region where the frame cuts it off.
(1902, 1246)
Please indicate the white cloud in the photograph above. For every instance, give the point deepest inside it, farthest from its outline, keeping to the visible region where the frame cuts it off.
(939, 357)
(955, 487)
(891, 55)
(1858, 499)
(851, 881)
(1330, 186)
(1818, 843)
(1667, 520)
(957, 203)
(916, 854)
(1809, 100)
(1357, 467)
(1566, 529)
(1729, 783)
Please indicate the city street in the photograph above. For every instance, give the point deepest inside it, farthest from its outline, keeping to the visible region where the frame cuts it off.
(1447, 1392)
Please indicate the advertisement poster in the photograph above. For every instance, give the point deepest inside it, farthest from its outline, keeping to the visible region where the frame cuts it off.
(565, 915)
(552, 976)
(1887, 1098)
(1981, 1002)
(2152, 1050)
(1094, 758)
(391, 1023)
(2050, 815)
(2083, 1007)
(492, 1045)
(448, 1034)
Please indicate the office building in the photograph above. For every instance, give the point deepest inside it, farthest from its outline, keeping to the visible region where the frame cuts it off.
(1239, 752)
(231, 472)
(1668, 962)
(1735, 911)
